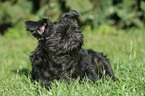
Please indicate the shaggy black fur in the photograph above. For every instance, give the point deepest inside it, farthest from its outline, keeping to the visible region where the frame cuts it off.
(60, 56)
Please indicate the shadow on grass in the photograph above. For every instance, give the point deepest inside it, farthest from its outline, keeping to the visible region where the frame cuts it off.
(22, 72)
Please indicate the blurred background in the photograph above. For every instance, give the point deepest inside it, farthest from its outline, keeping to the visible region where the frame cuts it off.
(100, 15)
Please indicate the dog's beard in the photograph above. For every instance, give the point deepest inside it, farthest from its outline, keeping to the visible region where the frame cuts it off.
(68, 45)
(61, 50)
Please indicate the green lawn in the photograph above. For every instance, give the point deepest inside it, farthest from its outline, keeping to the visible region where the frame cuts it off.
(126, 51)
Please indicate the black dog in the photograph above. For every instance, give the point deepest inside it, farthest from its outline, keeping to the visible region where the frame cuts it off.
(60, 56)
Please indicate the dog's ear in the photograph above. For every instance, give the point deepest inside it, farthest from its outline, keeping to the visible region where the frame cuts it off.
(71, 14)
(37, 28)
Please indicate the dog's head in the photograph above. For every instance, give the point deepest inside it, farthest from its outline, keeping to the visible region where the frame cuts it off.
(61, 37)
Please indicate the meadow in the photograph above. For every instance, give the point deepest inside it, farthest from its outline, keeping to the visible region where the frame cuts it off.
(125, 49)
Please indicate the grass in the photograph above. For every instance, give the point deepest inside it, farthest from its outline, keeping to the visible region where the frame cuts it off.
(126, 51)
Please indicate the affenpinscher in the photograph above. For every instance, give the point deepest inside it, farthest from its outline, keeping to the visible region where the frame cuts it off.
(60, 56)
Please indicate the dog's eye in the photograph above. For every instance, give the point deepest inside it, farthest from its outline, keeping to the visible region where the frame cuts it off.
(58, 35)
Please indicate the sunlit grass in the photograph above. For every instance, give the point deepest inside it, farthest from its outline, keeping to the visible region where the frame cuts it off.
(126, 51)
